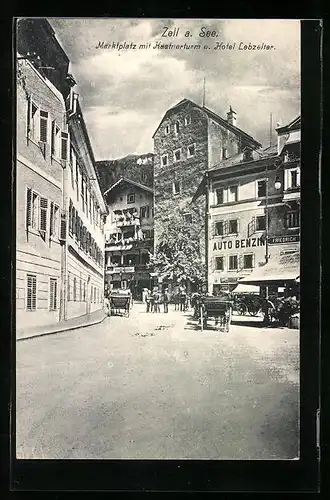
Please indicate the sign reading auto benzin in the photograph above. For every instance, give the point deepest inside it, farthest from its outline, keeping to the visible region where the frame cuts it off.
(273, 240)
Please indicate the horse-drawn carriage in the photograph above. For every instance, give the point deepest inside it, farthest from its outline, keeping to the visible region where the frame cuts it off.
(218, 309)
(120, 302)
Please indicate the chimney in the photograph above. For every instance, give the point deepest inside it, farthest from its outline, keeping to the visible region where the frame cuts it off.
(231, 116)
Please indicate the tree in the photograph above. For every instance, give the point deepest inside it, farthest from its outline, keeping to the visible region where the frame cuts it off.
(179, 254)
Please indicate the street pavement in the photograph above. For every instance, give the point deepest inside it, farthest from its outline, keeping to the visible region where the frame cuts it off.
(153, 386)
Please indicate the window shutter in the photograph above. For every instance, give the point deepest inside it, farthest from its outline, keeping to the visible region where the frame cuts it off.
(53, 294)
(225, 227)
(64, 145)
(69, 288)
(253, 260)
(52, 220)
(29, 116)
(43, 126)
(63, 227)
(31, 293)
(28, 207)
(70, 217)
(238, 226)
(43, 214)
(53, 138)
(251, 226)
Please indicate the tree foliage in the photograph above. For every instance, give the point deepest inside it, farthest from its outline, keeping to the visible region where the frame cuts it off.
(178, 254)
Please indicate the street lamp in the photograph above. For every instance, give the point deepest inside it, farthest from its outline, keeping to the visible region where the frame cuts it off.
(277, 186)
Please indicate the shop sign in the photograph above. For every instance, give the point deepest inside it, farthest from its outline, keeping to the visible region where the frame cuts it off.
(275, 240)
(239, 243)
(117, 270)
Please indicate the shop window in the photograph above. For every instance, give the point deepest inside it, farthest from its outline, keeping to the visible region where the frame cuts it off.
(219, 196)
(233, 263)
(31, 292)
(248, 261)
(232, 193)
(233, 226)
(219, 263)
(260, 223)
(261, 188)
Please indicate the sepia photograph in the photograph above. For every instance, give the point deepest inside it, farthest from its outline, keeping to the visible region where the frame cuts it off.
(158, 175)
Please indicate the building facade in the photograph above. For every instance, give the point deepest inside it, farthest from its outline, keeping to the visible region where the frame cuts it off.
(190, 140)
(129, 236)
(253, 215)
(43, 142)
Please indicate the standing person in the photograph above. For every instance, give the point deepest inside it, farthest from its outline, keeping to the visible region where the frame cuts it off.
(156, 298)
(147, 299)
(183, 296)
(106, 304)
(166, 300)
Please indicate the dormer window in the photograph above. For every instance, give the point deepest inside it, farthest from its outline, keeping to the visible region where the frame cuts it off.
(247, 155)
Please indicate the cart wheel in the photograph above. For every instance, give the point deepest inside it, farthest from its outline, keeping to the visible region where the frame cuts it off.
(253, 312)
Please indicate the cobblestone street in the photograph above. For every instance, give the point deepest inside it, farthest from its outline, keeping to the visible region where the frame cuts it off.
(154, 386)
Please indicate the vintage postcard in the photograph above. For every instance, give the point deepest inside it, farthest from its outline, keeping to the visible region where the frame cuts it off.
(158, 176)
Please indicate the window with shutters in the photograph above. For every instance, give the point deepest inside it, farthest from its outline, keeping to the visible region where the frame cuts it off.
(82, 193)
(35, 211)
(233, 193)
(33, 119)
(64, 145)
(219, 228)
(248, 261)
(31, 292)
(43, 134)
(54, 220)
(84, 295)
(260, 223)
(55, 140)
(77, 179)
(233, 226)
(219, 264)
(233, 263)
(28, 212)
(219, 193)
(53, 294)
(69, 288)
(43, 216)
(74, 289)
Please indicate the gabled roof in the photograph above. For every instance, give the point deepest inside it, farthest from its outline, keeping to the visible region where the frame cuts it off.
(128, 181)
(211, 115)
(293, 125)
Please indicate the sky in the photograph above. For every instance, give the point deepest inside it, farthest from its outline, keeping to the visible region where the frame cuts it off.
(124, 94)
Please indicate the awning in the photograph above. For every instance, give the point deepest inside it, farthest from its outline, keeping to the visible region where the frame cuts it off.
(281, 268)
(242, 288)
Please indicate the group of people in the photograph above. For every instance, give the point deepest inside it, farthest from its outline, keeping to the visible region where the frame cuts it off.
(153, 299)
